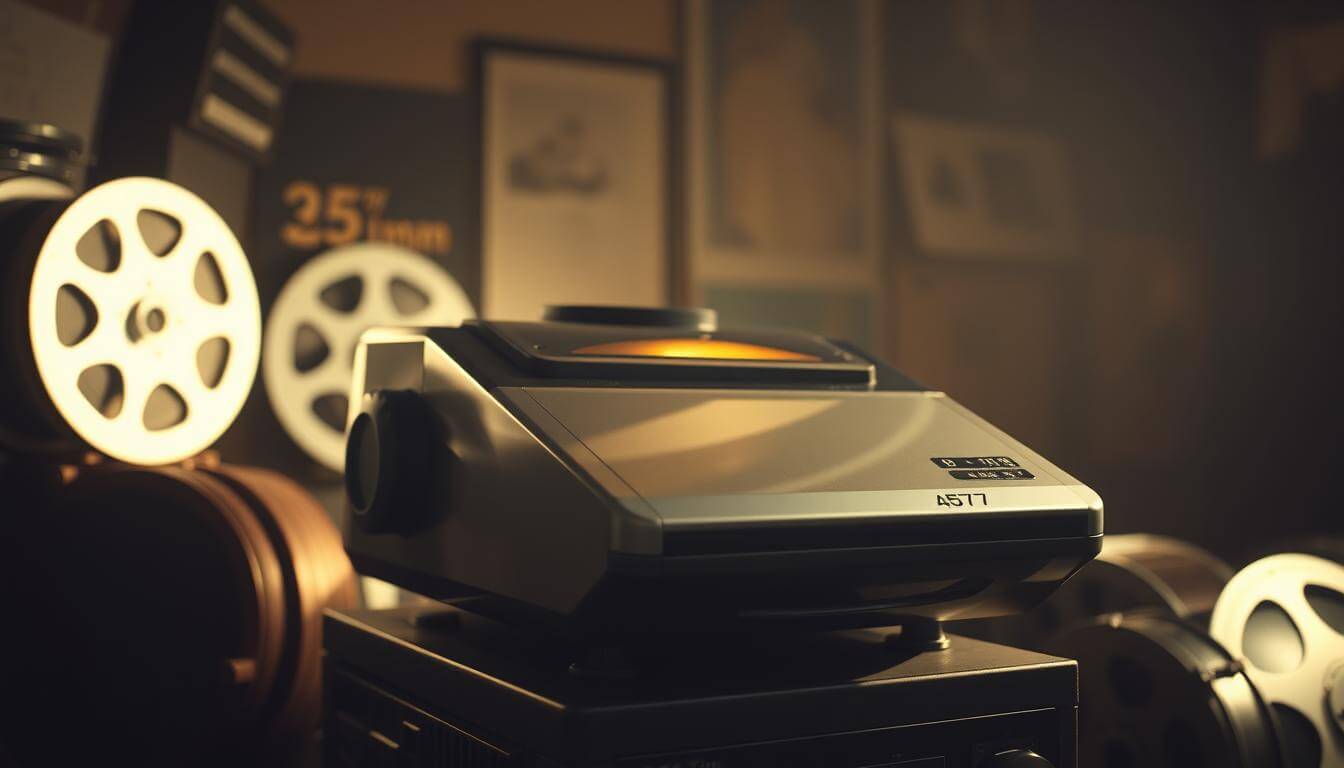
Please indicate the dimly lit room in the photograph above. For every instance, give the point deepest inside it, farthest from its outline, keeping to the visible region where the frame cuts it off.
(671, 383)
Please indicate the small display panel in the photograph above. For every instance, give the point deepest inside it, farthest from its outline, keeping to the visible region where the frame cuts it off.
(698, 348)
(648, 353)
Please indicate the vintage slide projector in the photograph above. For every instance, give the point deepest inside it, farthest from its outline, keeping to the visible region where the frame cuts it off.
(658, 542)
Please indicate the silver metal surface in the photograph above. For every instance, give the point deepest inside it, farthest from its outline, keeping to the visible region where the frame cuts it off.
(703, 458)
(527, 515)
(628, 501)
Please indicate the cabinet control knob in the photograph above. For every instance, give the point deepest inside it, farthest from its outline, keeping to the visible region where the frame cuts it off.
(387, 461)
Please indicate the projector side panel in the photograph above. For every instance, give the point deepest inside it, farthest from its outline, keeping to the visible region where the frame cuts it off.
(505, 516)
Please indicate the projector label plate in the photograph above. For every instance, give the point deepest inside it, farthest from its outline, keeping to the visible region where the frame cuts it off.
(974, 462)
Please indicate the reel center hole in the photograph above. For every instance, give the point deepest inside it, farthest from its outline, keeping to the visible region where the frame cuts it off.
(143, 321)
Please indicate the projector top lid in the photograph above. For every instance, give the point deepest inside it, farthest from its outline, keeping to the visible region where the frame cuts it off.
(627, 476)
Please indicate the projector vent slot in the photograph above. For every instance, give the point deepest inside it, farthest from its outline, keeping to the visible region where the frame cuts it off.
(368, 726)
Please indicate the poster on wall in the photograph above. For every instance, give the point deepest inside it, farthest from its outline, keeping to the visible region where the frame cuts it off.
(976, 191)
(366, 216)
(782, 123)
(576, 179)
(357, 163)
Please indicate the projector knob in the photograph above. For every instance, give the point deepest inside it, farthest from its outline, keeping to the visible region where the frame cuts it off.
(686, 318)
(387, 461)
(1017, 758)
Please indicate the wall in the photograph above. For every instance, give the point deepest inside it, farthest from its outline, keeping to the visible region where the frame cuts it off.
(1175, 360)
(423, 43)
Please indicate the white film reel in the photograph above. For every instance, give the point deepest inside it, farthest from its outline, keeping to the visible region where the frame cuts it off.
(315, 324)
(148, 344)
(1284, 614)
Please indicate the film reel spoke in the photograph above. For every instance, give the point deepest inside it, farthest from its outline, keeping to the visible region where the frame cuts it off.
(209, 322)
(106, 289)
(184, 376)
(327, 320)
(373, 306)
(135, 257)
(332, 325)
(100, 347)
(331, 377)
(137, 386)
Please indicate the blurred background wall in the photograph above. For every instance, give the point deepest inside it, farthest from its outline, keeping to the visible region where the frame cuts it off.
(1110, 228)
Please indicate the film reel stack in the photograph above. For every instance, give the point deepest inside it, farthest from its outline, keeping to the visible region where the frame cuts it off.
(39, 151)
(1184, 663)
(174, 602)
(1133, 572)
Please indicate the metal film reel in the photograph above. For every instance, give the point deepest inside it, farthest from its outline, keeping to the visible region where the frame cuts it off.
(1284, 614)
(142, 328)
(1159, 693)
(1133, 571)
(315, 324)
(184, 606)
(38, 149)
(1147, 571)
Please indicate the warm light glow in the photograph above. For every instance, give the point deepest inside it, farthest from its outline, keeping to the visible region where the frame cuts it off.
(714, 349)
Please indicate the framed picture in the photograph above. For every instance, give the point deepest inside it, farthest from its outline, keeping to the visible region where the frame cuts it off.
(782, 141)
(577, 181)
(981, 192)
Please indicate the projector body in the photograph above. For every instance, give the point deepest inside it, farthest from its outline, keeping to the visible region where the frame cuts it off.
(616, 478)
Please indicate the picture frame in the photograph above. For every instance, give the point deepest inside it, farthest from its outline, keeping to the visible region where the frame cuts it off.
(762, 79)
(579, 181)
(978, 192)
